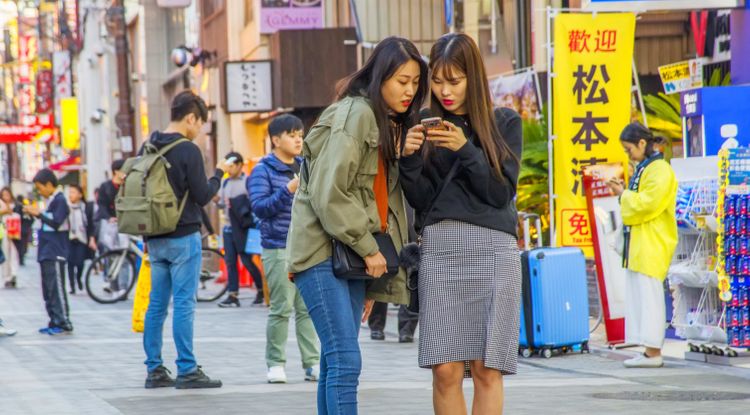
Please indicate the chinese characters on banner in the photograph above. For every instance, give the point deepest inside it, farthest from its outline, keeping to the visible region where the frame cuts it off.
(591, 98)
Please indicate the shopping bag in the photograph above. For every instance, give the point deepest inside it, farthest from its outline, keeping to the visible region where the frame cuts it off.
(142, 293)
(13, 226)
(252, 246)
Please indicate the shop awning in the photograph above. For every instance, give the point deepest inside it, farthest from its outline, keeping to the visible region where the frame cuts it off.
(69, 164)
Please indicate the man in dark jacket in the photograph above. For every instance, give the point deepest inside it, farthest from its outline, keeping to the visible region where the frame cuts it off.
(234, 200)
(272, 184)
(176, 257)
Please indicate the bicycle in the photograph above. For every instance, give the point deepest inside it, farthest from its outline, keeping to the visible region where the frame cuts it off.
(111, 276)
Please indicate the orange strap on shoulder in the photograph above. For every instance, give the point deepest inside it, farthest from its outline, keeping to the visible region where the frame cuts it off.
(380, 188)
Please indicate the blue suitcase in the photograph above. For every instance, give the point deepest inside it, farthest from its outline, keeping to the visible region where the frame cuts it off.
(555, 307)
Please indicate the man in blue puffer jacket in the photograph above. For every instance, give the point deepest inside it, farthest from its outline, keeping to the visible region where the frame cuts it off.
(271, 187)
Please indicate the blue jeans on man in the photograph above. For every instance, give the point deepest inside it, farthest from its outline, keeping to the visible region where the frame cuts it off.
(175, 270)
(335, 306)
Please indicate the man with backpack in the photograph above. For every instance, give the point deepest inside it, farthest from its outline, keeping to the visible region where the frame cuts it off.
(234, 200)
(161, 199)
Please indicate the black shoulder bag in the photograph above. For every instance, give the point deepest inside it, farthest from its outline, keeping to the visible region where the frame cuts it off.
(347, 264)
(411, 254)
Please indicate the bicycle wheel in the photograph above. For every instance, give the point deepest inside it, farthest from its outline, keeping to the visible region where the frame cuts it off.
(111, 276)
(213, 278)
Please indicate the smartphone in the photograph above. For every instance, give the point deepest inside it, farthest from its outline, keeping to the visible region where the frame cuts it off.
(434, 123)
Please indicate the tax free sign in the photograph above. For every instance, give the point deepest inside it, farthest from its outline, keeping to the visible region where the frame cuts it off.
(646, 5)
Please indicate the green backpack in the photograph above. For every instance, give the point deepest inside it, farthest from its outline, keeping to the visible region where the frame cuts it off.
(146, 204)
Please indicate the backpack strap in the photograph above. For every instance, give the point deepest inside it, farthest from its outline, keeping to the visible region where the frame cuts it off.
(162, 152)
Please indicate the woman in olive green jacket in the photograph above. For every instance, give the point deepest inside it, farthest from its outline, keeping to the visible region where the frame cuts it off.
(354, 145)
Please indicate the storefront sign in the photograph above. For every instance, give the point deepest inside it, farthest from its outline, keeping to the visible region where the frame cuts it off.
(62, 79)
(278, 15)
(69, 130)
(646, 5)
(18, 133)
(592, 87)
(248, 86)
(44, 91)
(682, 76)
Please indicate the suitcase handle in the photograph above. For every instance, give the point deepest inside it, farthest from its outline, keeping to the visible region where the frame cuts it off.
(527, 217)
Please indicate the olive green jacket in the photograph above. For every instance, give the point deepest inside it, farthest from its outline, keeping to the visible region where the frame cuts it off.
(338, 201)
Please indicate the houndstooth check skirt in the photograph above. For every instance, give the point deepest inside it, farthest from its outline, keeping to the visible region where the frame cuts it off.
(469, 296)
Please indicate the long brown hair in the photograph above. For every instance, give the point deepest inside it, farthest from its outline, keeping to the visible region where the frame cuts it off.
(458, 52)
(390, 54)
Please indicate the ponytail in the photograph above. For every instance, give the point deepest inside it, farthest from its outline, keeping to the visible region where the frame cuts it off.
(635, 132)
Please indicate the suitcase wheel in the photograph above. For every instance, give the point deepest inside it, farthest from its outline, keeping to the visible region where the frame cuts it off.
(546, 353)
(693, 348)
(526, 353)
(717, 351)
(731, 352)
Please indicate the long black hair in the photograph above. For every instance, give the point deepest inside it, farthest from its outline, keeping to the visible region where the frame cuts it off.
(389, 55)
(635, 132)
(458, 52)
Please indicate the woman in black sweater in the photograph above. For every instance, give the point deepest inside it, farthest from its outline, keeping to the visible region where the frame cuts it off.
(462, 182)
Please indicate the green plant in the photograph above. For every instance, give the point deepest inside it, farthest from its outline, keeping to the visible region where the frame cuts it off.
(533, 187)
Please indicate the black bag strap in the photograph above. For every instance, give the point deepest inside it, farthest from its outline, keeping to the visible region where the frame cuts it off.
(448, 177)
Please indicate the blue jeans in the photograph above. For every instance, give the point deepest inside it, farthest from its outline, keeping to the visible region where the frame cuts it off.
(234, 246)
(335, 306)
(175, 268)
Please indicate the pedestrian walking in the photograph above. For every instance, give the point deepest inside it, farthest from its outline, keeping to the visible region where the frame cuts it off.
(108, 235)
(238, 216)
(26, 224)
(650, 239)
(272, 186)
(54, 248)
(176, 257)
(461, 178)
(9, 268)
(82, 241)
(349, 190)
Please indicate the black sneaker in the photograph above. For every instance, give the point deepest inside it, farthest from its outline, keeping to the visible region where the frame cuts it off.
(259, 298)
(406, 339)
(230, 301)
(196, 380)
(159, 378)
(377, 335)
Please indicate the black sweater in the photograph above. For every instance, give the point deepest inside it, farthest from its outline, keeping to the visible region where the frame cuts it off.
(475, 195)
(187, 173)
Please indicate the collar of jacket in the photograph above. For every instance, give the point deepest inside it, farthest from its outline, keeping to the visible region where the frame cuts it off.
(273, 162)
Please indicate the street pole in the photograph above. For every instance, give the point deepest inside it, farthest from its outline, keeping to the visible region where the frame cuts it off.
(125, 118)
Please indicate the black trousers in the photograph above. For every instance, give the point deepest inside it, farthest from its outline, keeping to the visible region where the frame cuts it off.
(55, 297)
(78, 253)
(407, 321)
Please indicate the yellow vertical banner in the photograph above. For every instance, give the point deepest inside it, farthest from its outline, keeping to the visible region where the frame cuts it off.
(71, 133)
(591, 105)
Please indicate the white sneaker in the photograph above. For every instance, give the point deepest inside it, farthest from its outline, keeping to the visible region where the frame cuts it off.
(312, 374)
(641, 361)
(4, 331)
(276, 374)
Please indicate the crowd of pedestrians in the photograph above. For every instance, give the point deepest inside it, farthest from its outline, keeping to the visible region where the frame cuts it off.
(369, 177)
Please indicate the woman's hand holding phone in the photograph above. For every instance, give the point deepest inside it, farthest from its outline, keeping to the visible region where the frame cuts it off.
(414, 140)
(452, 139)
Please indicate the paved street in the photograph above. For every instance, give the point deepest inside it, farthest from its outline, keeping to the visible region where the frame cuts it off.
(99, 370)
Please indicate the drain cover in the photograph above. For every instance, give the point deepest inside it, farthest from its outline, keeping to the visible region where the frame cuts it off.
(673, 396)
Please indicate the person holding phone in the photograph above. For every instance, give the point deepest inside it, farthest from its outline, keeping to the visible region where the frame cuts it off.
(348, 182)
(460, 172)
